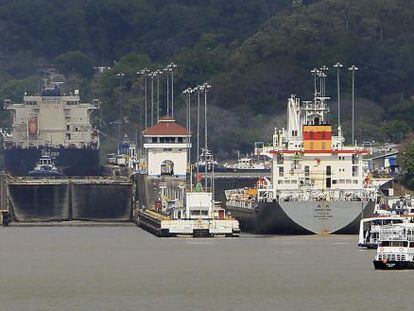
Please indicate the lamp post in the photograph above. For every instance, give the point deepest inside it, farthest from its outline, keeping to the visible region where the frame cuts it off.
(205, 88)
(158, 73)
(120, 76)
(145, 72)
(198, 89)
(167, 93)
(172, 67)
(152, 76)
(188, 92)
(338, 67)
(353, 69)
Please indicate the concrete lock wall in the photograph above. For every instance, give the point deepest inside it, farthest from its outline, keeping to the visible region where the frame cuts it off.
(70, 201)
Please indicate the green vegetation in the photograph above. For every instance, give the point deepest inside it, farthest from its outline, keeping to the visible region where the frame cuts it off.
(255, 53)
(406, 162)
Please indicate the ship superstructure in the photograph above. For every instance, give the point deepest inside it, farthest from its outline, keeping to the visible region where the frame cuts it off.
(318, 183)
(56, 125)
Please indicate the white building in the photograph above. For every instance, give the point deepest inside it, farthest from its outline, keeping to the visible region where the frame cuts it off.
(166, 144)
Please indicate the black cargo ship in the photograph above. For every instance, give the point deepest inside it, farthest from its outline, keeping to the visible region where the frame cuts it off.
(55, 125)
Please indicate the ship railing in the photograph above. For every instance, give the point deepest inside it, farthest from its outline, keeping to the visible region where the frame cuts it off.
(330, 195)
(241, 203)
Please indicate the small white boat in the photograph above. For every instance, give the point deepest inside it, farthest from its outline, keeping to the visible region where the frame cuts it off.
(396, 247)
(396, 210)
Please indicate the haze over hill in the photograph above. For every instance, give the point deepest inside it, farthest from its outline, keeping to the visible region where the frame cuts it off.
(255, 53)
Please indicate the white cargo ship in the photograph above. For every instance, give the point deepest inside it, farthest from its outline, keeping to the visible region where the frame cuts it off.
(318, 184)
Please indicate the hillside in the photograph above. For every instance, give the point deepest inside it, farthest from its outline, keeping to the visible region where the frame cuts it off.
(255, 53)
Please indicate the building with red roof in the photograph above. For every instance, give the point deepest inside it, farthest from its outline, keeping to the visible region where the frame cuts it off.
(166, 144)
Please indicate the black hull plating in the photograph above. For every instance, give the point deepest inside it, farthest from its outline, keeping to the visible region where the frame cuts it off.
(71, 161)
(393, 265)
(271, 218)
(68, 201)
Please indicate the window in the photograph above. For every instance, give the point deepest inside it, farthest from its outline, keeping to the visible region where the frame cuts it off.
(328, 170)
(354, 159)
(180, 139)
(307, 172)
(280, 159)
(205, 213)
(281, 171)
(355, 171)
(154, 139)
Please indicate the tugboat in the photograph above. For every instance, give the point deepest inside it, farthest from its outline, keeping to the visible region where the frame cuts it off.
(45, 168)
(318, 183)
(396, 248)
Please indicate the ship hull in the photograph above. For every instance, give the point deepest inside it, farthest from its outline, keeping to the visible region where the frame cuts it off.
(296, 217)
(71, 161)
(393, 265)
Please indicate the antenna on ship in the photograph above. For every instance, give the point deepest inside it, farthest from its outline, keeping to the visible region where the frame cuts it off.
(323, 74)
(315, 73)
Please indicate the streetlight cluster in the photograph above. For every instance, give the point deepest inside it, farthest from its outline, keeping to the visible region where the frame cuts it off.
(155, 75)
(321, 74)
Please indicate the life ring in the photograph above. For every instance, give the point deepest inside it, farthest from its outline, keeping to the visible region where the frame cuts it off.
(381, 249)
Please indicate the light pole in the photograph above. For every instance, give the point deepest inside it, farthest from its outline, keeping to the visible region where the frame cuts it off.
(120, 76)
(152, 76)
(188, 92)
(205, 87)
(158, 73)
(338, 67)
(353, 68)
(167, 93)
(172, 66)
(198, 89)
(145, 72)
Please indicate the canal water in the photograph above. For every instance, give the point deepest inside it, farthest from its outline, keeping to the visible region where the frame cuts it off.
(125, 268)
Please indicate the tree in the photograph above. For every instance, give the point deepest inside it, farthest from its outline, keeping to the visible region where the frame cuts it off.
(405, 160)
(74, 62)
